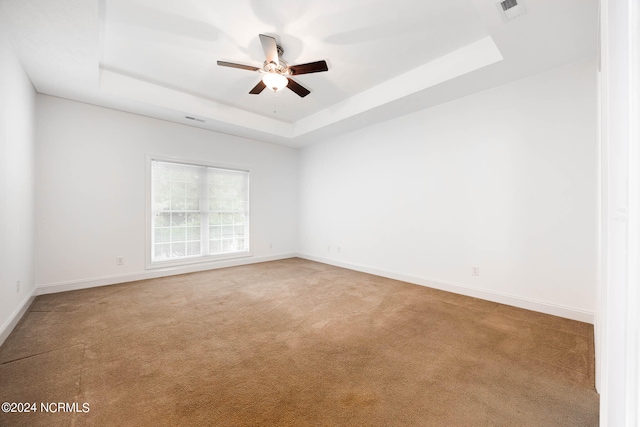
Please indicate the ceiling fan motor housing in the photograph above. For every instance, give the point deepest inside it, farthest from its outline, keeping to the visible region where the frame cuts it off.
(281, 68)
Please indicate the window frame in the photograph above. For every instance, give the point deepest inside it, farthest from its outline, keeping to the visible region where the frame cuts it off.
(149, 263)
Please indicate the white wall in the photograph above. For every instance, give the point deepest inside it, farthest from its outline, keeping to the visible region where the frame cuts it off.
(504, 180)
(91, 190)
(17, 116)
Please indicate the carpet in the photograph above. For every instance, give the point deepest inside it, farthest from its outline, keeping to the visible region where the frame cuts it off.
(293, 343)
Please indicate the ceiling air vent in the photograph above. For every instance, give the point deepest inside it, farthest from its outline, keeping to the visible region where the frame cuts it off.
(195, 119)
(508, 4)
(511, 9)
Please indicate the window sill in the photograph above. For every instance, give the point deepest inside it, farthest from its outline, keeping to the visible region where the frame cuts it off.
(197, 260)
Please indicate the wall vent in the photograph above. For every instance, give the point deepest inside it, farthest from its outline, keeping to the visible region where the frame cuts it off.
(510, 9)
(195, 119)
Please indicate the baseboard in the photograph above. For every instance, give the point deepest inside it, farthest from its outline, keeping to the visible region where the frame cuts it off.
(15, 317)
(51, 288)
(529, 304)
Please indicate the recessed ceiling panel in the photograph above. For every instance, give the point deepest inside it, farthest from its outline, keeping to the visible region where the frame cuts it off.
(176, 45)
(385, 57)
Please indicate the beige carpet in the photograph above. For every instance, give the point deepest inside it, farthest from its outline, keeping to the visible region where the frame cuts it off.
(294, 343)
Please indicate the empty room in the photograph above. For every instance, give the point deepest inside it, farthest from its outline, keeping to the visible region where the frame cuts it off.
(319, 213)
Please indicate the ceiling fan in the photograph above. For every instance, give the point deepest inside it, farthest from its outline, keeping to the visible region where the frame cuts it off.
(276, 73)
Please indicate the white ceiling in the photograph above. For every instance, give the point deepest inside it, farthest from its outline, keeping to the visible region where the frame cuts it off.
(386, 57)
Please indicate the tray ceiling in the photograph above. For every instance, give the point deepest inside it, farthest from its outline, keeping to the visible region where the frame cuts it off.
(386, 58)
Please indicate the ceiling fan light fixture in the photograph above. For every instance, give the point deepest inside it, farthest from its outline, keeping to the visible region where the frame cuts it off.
(275, 81)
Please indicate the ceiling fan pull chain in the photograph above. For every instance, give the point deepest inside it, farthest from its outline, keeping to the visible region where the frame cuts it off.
(275, 102)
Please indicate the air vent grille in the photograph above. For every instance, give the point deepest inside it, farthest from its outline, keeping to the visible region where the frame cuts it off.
(508, 4)
(510, 9)
(195, 119)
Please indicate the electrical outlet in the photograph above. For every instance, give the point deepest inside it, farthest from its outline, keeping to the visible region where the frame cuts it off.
(328, 248)
(18, 287)
(119, 260)
(475, 271)
(338, 249)
(270, 245)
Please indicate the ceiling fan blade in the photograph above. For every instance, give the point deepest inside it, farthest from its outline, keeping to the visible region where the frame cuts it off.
(300, 90)
(258, 88)
(311, 67)
(270, 49)
(233, 65)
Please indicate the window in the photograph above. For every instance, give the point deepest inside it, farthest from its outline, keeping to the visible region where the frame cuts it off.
(198, 211)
